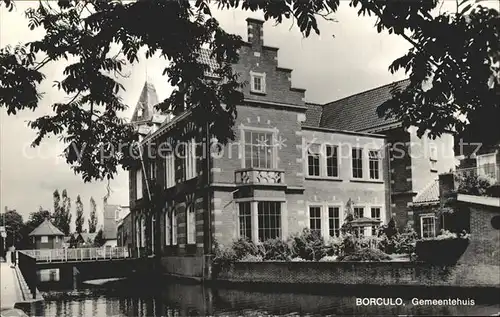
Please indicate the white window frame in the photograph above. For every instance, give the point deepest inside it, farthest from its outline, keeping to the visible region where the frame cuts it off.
(364, 231)
(359, 206)
(320, 159)
(254, 212)
(425, 216)
(379, 164)
(363, 163)
(190, 159)
(174, 227)
(143, 231)
(339, 207)
(153, 230)
(44, 239)
(321, 219)
(168, 228)
(274, 152)
(138, 232)
(169, 170)
(325, 161)
(239, 219)
(262, 77)
(380, 216)
(281, 208)
(56, 238)
(191, 224)
(138, 183)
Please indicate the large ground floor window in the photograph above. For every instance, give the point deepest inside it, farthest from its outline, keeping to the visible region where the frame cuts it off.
(326, 222)
(315, 219)
(327, 219)
(334, 221)
(269, 220)
(191, 224)
(170, 227)
(427, 226)
(245, 220)
(260, 221)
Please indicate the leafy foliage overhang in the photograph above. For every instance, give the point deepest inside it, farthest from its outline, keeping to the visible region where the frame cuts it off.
(453, 67)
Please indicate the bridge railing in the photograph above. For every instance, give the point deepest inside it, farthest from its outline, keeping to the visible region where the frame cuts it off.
(27, 266)
(79, 254)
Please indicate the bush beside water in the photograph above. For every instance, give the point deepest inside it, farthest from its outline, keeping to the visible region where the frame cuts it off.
(310, 246)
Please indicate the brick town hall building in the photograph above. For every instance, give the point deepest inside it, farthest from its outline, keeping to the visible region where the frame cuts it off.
(295, 165)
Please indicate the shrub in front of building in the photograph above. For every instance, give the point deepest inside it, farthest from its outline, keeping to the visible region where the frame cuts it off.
(365, 255)
(308, 245)
(446, 248)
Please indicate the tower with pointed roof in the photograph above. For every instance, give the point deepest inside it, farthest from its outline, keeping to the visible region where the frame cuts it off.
(144, 109)
(145, 117)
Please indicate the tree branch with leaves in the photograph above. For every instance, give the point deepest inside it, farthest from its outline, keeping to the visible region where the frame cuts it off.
(453, 67)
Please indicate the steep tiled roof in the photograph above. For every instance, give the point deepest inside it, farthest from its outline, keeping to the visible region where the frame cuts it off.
(144, 110)
(206, 59)
(46, 228)
(313, 115)
(358, 112)
(429, 195)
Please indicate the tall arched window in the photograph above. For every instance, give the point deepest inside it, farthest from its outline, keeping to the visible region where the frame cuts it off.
(168, 227)
(174, 227)
(153, 230)
(137, 233)
(143, 231)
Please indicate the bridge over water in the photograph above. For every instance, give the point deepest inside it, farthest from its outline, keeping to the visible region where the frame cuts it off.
(47, 268)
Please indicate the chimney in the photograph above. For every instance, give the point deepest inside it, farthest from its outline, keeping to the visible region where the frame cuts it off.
(255, 33)
(446, 187)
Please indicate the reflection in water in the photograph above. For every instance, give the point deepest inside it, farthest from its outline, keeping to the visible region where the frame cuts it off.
(172, 298)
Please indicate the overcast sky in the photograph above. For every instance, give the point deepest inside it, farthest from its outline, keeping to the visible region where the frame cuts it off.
(329, 67)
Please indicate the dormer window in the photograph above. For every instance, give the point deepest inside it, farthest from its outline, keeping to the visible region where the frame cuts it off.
(258, 82)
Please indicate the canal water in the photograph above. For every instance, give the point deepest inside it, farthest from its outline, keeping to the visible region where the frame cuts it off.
(174, 298)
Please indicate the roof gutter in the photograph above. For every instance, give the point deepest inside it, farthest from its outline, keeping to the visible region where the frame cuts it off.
(320, 129)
